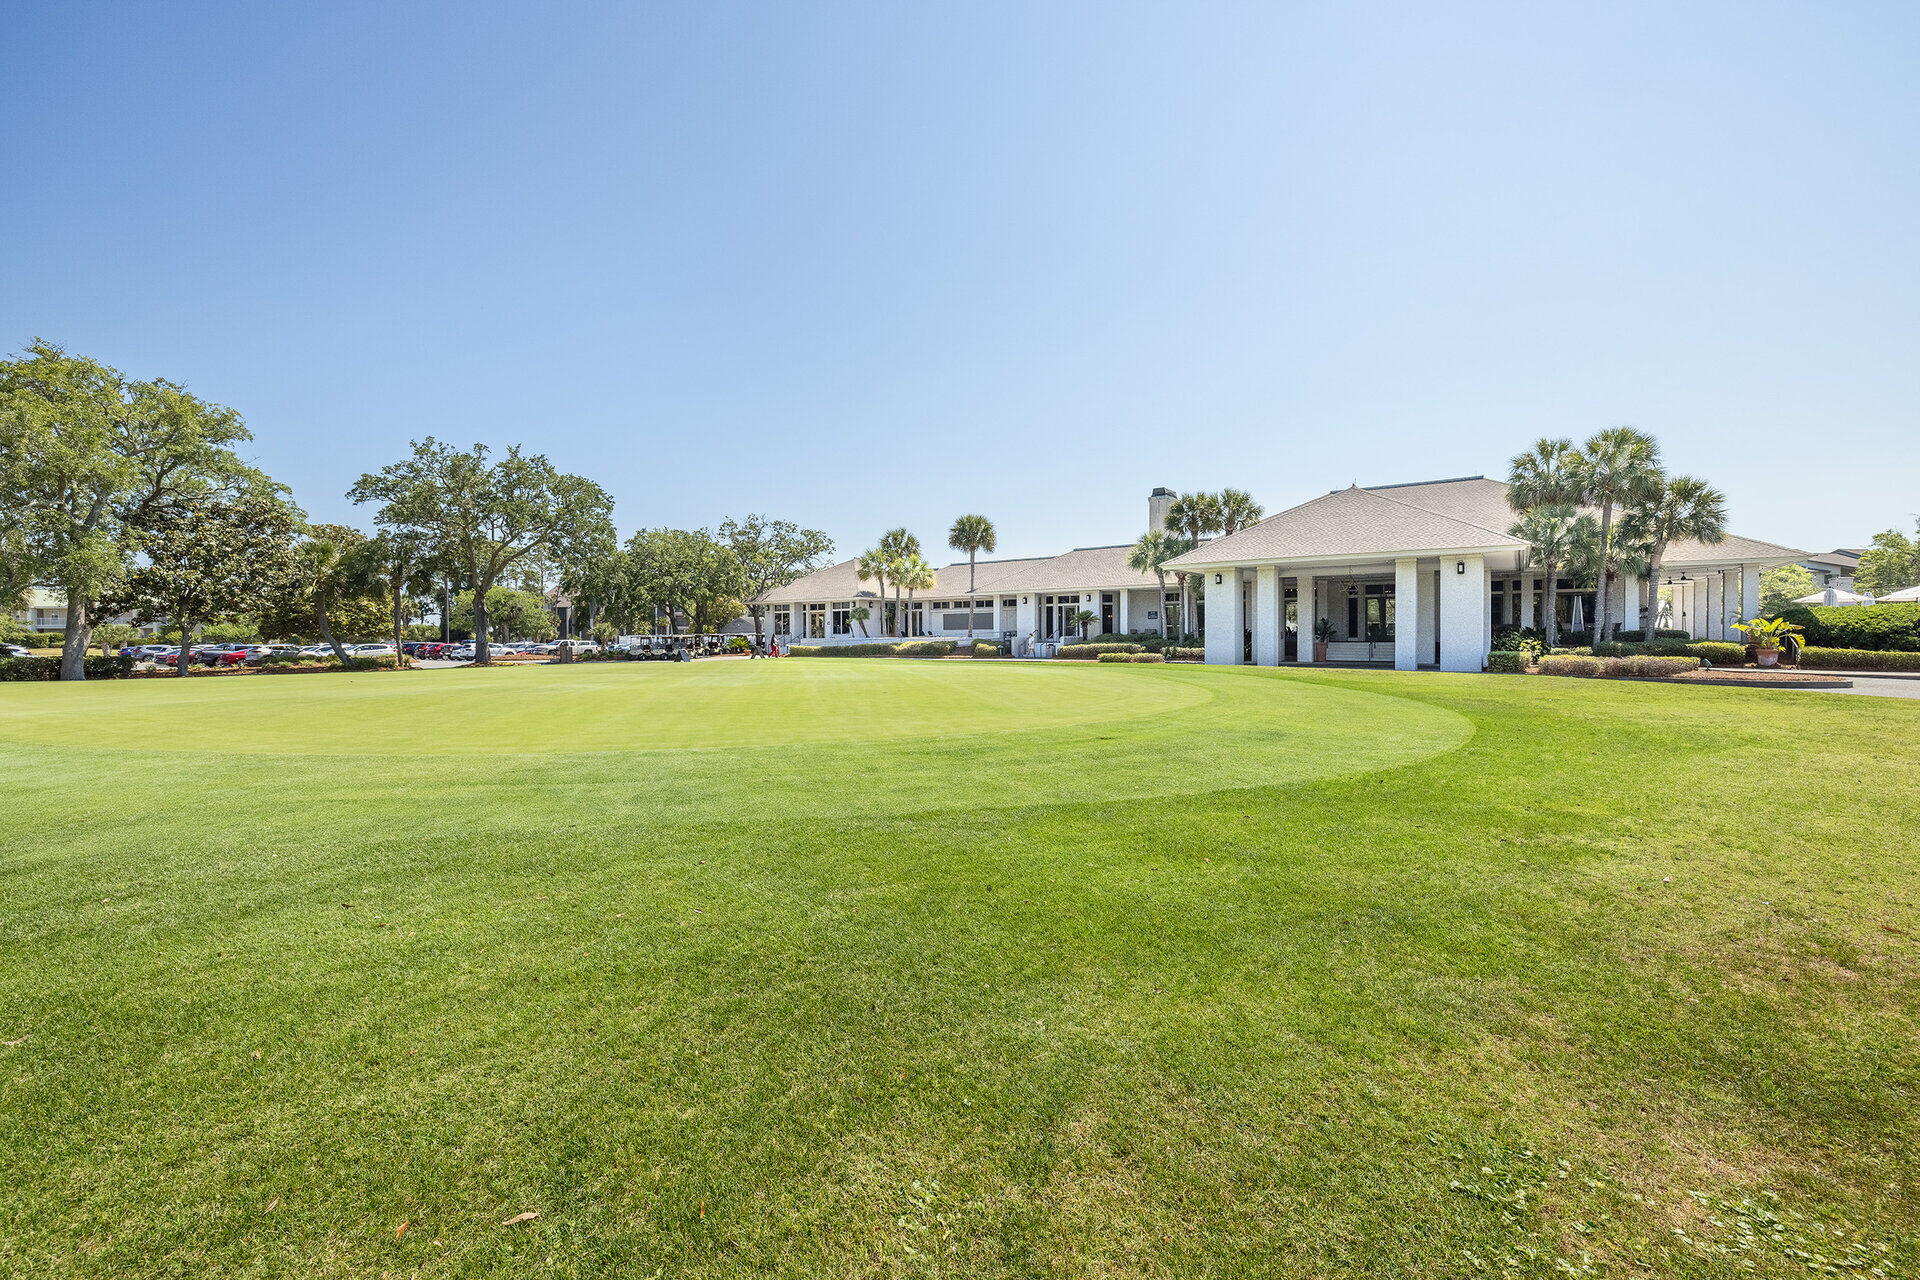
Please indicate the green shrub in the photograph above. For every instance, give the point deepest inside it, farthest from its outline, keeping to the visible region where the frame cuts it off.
(923, 648)
(885, 650)
(1568, 664)
(1859, 659)
(985, 649)
(1187, 655)
(1085, 651)
(96, 668)
(1151, 641)
(1114, 656)
(1511, 639)
(1719, 652)
(1566, 652)
(1877, 627)
(290, 660)
(386, 662)
(1649, 666)
(1146, 657)
(1507, 661)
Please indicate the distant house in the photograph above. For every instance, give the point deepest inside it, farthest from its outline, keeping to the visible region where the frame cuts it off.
(1834, 568)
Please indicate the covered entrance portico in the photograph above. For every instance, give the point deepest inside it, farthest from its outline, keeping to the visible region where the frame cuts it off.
(1408, 612)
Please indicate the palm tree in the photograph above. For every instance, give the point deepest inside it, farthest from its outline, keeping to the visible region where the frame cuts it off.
(1682, 507)
(1150, 555)
(971, 534)
(1196, 515)
(329, 571)
(1616, 467)
(1238, 511)
(897, 545)
(1541, 477)
(915, 574)
(1554, 536)
(873, 565)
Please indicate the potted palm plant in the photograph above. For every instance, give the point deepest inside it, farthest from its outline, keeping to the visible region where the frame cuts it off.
(1084, 619)
(1766, 635)
(1323, 631)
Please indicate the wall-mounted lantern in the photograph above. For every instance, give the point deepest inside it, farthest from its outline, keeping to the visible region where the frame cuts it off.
(1460, 566)
(1217, 579)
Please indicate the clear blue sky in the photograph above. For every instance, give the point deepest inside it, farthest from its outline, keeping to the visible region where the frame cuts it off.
(865, 265)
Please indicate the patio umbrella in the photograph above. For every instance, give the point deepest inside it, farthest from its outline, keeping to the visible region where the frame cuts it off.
(1909, 595)
(1833, 596)
(1579, 622)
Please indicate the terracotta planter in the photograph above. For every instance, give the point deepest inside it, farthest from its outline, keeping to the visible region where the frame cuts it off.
(1767, 657)
(1319, 650)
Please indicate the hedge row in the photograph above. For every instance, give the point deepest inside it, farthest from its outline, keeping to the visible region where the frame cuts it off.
(1858, 659)
(1187, 655)
(1719, 652)
(985, 649)
(1644, 666)
(1507, 662)
(901, 649)
(49, 668)
(1087, 651)
(1117, 656)
(1874, 627)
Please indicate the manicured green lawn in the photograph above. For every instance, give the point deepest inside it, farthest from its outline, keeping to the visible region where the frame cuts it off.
(840, 967)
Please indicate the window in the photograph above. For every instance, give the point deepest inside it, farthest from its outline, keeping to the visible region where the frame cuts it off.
(843, 618)
(816, 622)
(783, 622)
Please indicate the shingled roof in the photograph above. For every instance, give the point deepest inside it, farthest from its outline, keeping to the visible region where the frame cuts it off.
(1465, 514)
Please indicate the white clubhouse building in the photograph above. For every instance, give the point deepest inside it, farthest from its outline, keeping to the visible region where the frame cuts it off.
(1407, 576)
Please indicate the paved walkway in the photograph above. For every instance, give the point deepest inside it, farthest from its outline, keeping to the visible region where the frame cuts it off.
(1878, 686)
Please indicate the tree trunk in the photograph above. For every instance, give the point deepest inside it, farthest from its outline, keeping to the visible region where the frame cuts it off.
(326, 631)
(399, 658)
(1601, 612)
(482, 638)
(183, 662)
(1161, 578)
(446, 613)
(77, 636)
(970, 589)
(1650, 616)
(755, 610)
(1553, 605)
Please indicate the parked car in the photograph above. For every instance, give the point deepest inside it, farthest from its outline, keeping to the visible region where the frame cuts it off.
(14, 651)
(370, 651)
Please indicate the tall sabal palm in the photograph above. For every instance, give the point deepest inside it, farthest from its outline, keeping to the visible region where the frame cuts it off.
(1555, 536)
(897, 545)
(972, 534)
(875, 566)
(1542, 476)
(915, 574)
(1196, 515)
(1150, 555)
(1238, 511)
(1676, 508)
(1614, 468)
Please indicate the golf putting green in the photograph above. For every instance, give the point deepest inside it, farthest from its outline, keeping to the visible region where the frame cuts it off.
(718, 741)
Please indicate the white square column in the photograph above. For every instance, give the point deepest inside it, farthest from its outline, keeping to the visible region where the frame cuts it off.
(1426, 617)
(1629, 602)
(1526, 600)
(1226, 626)
(1464, 618)
(1268, 622)
(1749, 592)
(1120, 620)
(1716, 604)
(1406, 615)
(1306, 612)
